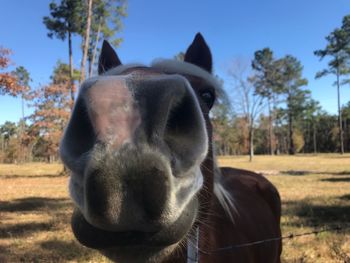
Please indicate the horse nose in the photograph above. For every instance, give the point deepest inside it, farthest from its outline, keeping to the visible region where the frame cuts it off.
(172, 116)
(124, 197)
(135, 135)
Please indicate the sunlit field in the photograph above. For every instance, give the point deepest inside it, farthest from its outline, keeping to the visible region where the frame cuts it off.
(35, 209)
(35, 216)
(315, 192)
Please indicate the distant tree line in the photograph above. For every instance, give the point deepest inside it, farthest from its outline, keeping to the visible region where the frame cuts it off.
(267, 110)
(274, 112)
(36, 137)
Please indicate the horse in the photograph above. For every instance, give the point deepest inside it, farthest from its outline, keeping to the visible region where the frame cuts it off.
(144, 180)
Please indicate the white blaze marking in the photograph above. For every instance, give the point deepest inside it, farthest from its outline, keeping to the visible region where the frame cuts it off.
(113, 110)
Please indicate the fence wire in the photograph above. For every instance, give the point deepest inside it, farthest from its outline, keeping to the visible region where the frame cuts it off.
(337, 228)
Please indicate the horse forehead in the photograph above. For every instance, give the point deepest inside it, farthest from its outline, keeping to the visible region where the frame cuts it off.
(125, 84)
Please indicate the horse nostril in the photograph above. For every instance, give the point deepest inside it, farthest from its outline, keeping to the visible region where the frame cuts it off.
(174, 122)
(185, 133)
(127, 193)
(180, 120)
(155, 191)
(103, 195)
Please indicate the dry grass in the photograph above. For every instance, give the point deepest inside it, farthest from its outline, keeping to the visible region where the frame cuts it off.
(35, 215)
(35, 209)
(315, 192)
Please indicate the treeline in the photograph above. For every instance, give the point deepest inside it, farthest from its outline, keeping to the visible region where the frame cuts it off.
(36, 137)
(268, 108)
(274, 110)
(314, 132)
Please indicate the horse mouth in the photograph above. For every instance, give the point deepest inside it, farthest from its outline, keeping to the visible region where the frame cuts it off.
(93, 237)
(97, 238)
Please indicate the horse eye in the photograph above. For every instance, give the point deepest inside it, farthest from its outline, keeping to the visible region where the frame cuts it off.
(208, 97)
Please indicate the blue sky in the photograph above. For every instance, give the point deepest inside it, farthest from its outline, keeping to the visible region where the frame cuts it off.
(158, 28)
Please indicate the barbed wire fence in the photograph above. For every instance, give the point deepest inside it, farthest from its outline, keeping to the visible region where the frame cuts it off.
(337, 228)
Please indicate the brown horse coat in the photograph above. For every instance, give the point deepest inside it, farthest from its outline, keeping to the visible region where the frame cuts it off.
(144, 179)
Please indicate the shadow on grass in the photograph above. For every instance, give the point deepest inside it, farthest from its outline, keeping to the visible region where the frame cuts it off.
(69, 250)
(295, 172)
(340, 156)
(3, 252)
(48, 251)
(52, 207)
(312, 215)
(15, 176)
(34, 204)
(23, 230)
(305, 172)
(345, 197)
(335, 180)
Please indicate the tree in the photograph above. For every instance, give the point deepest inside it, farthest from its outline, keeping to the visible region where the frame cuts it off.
(311, 119)
(23, 79)
(327, 130)
(65, 20)
(52, 109)
(106, 21)
(224, 135)
(249, 103)
(265, 81)
(291, 81)
(9, 83)
(86, 39)
(337, 49)
(346, 125)
(180, 56)
(8, 132)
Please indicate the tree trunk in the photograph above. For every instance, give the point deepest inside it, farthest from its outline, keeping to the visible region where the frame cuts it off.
(340, 123)
(86, 42)
(314, 138)
(20, 141)
(291, 139)
(251, 145)
(92, 62)
(290, 128)
(291, 149)
(71, 66)
(251, 142)
(270, 130)
(345, 135)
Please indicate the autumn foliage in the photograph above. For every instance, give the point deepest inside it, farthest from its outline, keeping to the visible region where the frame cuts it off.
(52, 105)
(8, 81)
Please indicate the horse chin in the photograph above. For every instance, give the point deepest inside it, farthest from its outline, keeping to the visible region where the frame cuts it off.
(135, 246)
(138, 254)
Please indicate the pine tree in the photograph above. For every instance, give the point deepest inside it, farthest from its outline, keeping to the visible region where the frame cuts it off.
(265, 81)
(65, 20)
(290, 82)
(106, 22)
(337, 48)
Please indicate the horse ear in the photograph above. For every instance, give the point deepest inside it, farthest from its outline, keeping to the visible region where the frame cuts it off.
(198, 53)
(108, 58)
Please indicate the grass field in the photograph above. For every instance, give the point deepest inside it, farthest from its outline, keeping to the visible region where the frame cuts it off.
(35, 209)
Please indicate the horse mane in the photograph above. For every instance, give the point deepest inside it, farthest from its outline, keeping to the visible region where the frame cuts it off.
(172, 66)
(182, 67)
(224, 196)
